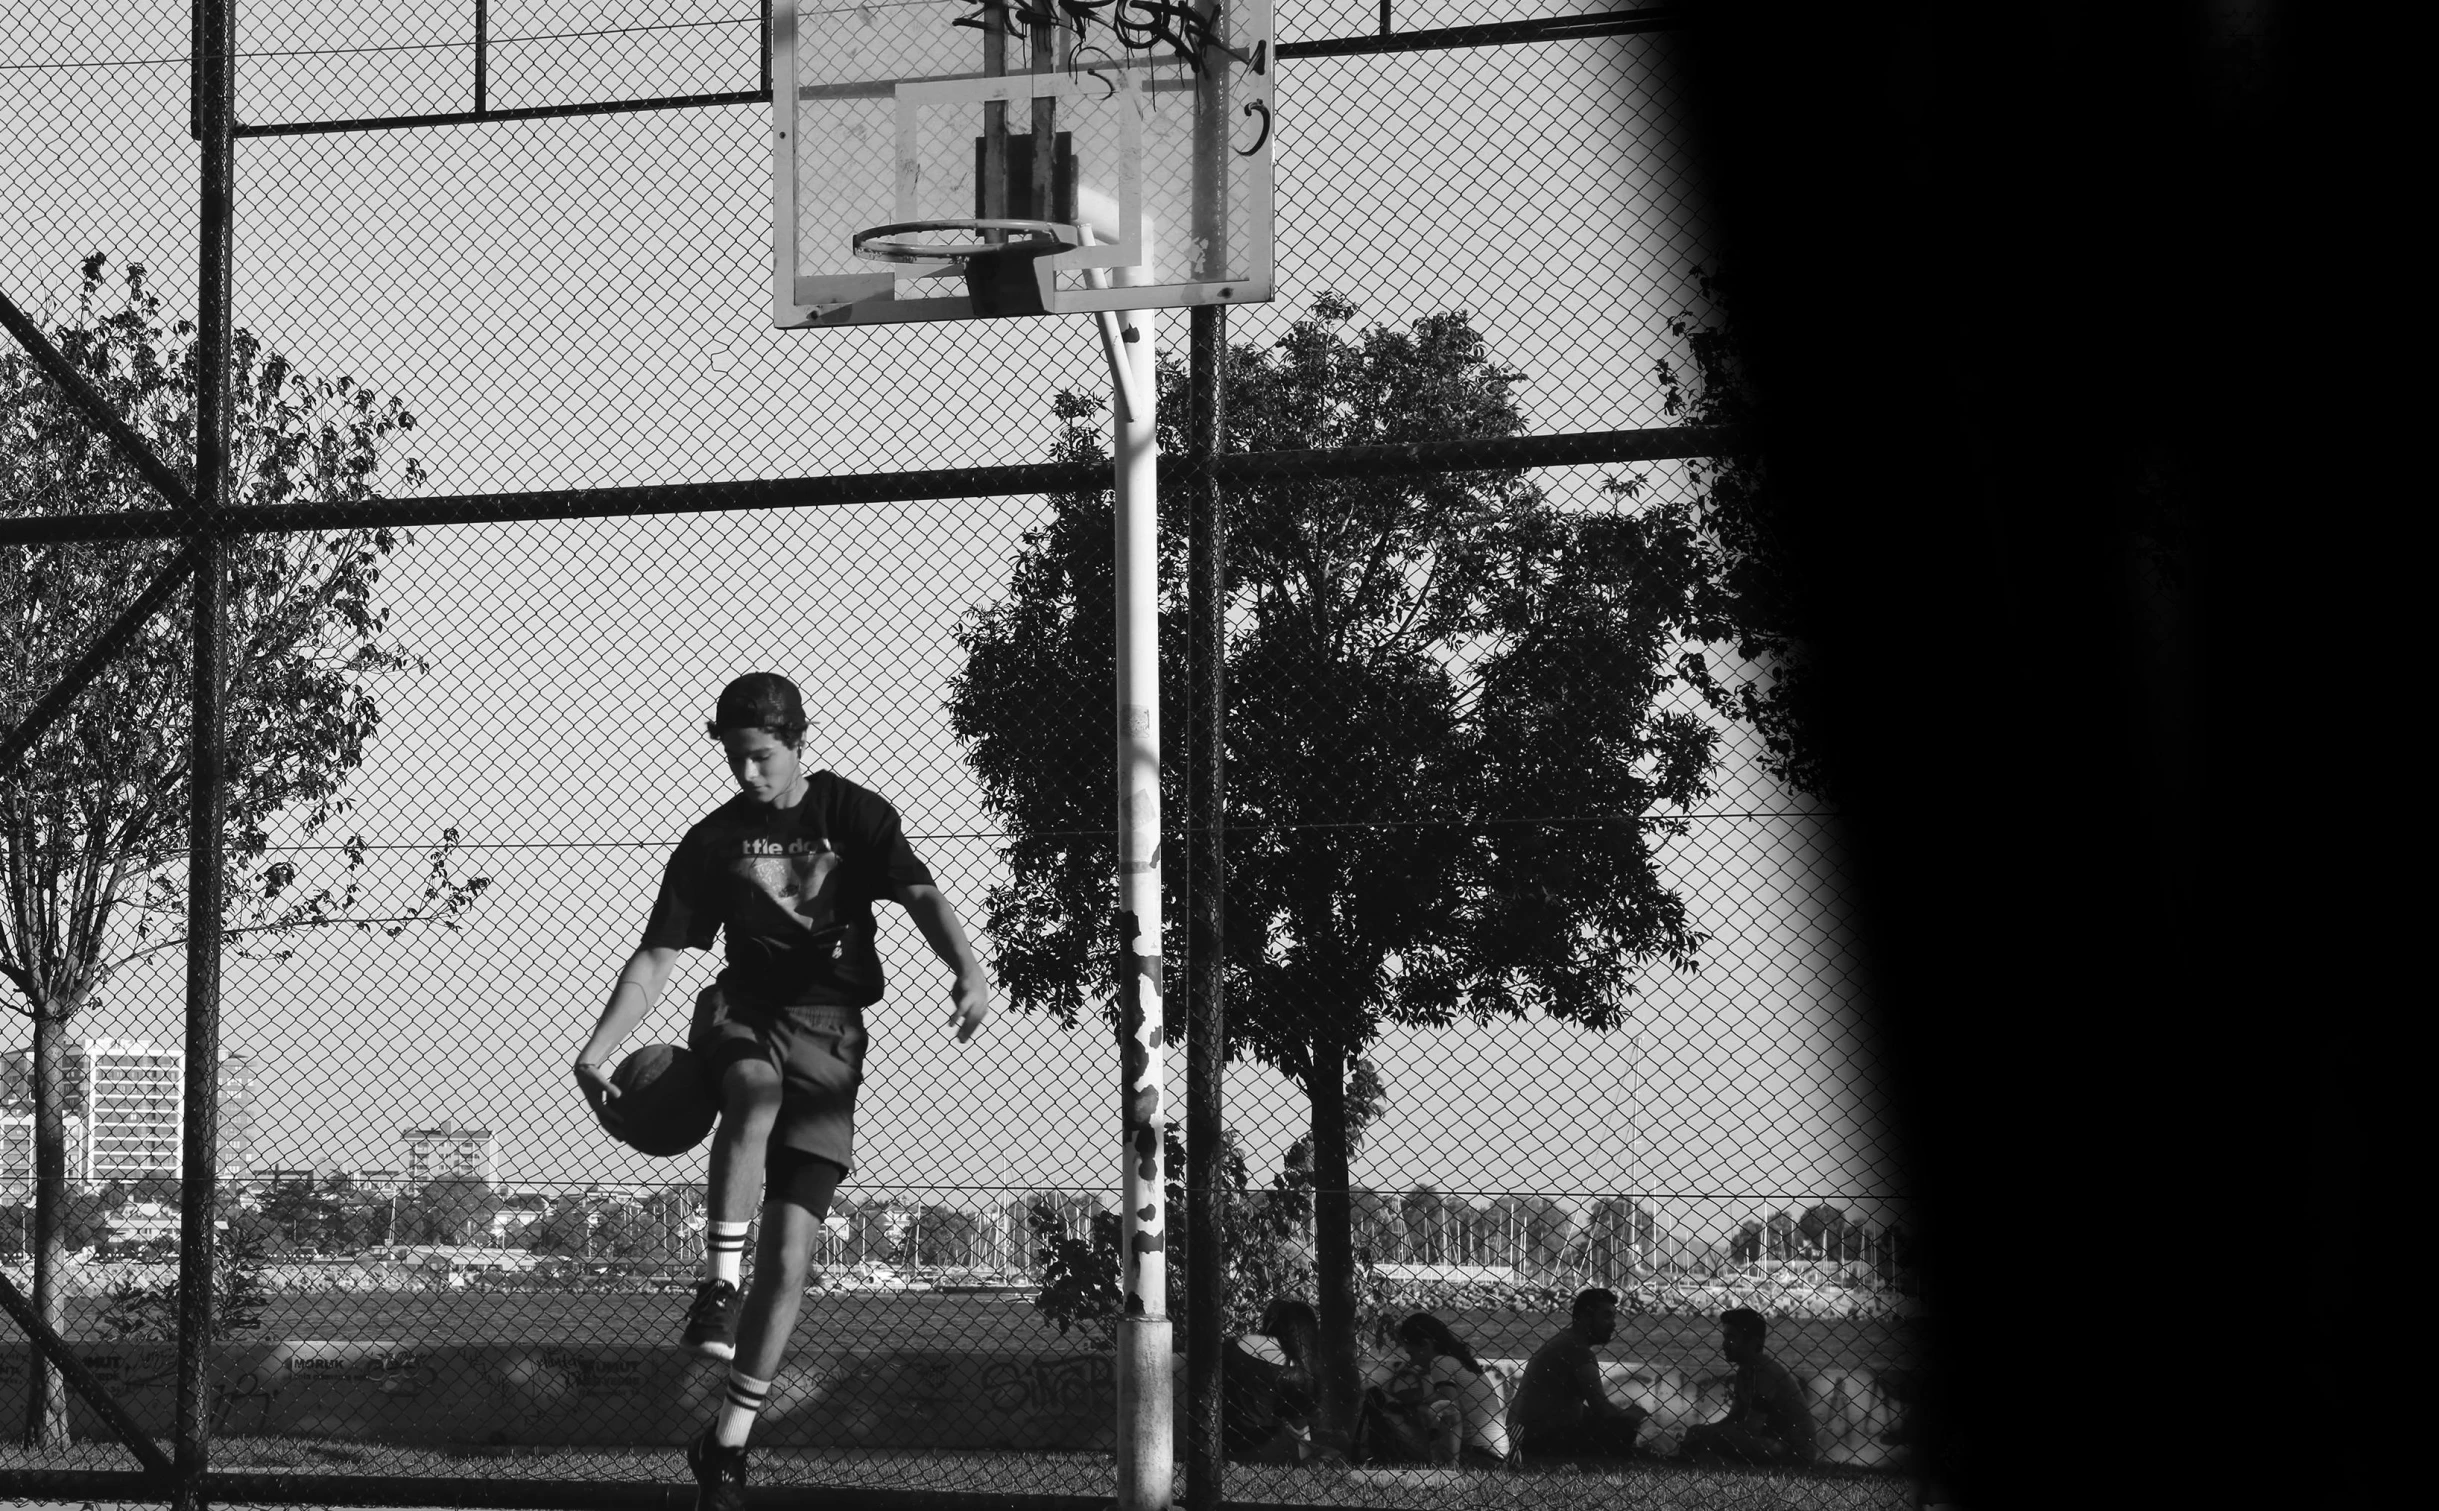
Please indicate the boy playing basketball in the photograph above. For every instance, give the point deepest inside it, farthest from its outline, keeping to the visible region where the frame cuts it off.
(789, 870)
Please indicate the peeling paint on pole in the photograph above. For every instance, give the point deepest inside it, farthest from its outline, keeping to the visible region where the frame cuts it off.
(1146, 1433)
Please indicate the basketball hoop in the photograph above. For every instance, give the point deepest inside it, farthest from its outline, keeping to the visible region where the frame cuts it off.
(894, 243)
(1001, 277)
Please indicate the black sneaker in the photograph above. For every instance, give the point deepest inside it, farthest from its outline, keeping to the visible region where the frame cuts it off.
(711, 1323)
(718, 1472)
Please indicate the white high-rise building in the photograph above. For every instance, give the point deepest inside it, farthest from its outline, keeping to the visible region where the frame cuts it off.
(132, 1093)
(237, 1097)
(124, 1103)
(16, 1158)
(449, 1152)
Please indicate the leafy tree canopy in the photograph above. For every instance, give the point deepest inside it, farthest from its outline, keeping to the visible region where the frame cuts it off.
(94, 815)
(1449, 744)
(1753, 546)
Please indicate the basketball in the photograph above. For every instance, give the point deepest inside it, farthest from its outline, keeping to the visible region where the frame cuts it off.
(665, 1104)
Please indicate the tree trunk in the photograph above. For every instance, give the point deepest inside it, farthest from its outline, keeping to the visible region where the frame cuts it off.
(1334, 1250)
(46, 1397)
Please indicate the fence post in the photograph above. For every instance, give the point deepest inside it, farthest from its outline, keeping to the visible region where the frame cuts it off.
(1206, 1006)
(1206, 854)
(215, 53)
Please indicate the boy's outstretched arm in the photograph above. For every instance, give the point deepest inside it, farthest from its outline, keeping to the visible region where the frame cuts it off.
(970, 997)
(631, 1000)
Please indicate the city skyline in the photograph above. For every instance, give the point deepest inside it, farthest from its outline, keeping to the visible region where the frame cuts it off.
(124, 1110)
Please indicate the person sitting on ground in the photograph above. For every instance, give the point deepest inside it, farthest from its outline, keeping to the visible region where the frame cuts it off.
(1267, 1389)
(1768, 1422)
(1561, 1408)
(1443, 1404)
(1409, 1421)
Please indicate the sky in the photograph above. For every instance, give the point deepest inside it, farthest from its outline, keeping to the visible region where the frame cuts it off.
(585, 302)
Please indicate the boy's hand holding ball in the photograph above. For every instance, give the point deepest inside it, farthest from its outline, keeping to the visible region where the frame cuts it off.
(600, 1093)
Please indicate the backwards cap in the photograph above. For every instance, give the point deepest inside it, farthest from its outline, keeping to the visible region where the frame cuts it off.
(760, 700)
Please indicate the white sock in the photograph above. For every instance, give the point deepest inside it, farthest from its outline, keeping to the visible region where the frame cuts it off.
(739, 1408)
(726, 1241)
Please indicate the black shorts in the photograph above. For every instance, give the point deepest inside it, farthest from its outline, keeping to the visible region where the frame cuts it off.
(818, 1052)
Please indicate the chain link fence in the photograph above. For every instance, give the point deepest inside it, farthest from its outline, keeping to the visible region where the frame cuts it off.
(1514, 911)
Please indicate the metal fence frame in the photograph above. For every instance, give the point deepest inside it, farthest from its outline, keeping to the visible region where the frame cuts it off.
(202, 519)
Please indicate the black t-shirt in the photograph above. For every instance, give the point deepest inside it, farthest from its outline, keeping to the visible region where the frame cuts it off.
(1561, 1387)
(793, 888)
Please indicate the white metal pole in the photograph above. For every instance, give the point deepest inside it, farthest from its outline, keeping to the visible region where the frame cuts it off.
(1145, 1422)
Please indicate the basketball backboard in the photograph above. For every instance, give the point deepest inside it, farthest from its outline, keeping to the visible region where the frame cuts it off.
(1159, 116)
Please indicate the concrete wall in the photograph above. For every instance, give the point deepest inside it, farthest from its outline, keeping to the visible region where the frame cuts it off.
(380, 1392)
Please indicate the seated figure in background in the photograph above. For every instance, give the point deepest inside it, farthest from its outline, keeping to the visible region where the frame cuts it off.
(1561, 1408)
(1768, 1422)
(1469, 1414)
(1266, 1387)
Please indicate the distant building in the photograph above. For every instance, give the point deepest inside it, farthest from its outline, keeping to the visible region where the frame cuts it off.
(143, 1222)
(129, 1096)
(449, 1152)
(17, 1154)
(16, 1158)
(125, 1101)
(235, 1154)
(378, 1182)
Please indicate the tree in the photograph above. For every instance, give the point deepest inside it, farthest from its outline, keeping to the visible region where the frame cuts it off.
(885, 1222)
(161, 1190)
(239, 1297)
(1261, 1235)
(1754, 546)
(93, 821)
(669, 1225)
(359, 1219)
(454, 1209)
(1071, 1212)
(1828, 1234)
(630, 1232)
(1549, 1227)
(84, 1221)
(946, 1235)
(1448, 742)
(1780, 1239)
(564, 1228)
(1746, 1247)
(1379, 1225)
(302, 1216)
(1610, 1232)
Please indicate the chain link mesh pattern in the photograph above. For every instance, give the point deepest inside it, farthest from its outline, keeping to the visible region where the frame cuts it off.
(580, 301)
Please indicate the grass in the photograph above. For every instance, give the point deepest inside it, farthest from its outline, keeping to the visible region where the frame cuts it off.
(1652, 1487)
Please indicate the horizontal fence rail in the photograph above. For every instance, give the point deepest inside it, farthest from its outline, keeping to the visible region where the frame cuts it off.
(1385, 42)
(1420, 458)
